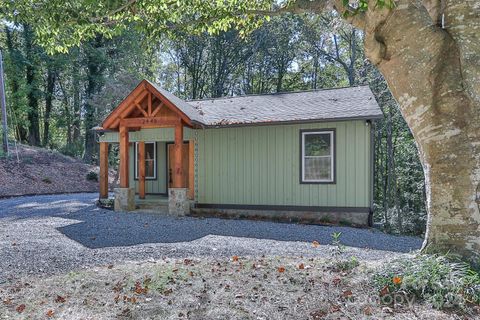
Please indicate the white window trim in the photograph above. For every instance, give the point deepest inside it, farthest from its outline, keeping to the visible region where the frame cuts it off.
(154, 161)
(331, 156)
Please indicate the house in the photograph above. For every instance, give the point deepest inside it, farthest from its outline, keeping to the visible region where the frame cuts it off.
(304, 156)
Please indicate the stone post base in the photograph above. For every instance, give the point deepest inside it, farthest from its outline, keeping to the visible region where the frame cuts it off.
(178, 204)
(124, 199)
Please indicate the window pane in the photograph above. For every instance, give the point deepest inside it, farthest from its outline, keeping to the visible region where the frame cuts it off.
(149, 151)
(318, 168)
(317, 144)
(149, 168)
(149, 160)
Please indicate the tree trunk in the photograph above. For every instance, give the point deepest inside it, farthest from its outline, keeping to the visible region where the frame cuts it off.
(15, 58)
(76, 102)
(32, 88)
(434, 75)
(95, 68)
(48, 104)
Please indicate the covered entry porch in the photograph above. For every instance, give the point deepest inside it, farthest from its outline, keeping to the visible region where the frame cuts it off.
(156, 151)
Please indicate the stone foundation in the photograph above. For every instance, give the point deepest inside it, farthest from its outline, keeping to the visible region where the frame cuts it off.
(178, 203)
(124, 199)
(355, 219)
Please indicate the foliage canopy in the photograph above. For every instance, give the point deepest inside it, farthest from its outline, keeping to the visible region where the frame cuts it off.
(60, 25)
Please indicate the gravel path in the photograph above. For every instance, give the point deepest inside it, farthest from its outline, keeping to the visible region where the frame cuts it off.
(44, 235)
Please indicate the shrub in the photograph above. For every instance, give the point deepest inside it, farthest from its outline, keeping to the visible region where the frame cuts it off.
(47, 180)
(92, 176)
(346, 264)
(106, 203)
(433, 278)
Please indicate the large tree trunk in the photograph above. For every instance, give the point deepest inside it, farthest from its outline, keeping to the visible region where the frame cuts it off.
(48, 103)
(14, 77)
(434, 73)
(32, 87)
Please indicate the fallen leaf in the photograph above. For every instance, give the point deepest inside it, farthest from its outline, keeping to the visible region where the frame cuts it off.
(315, 244)
(20, 308)
(397, 280)
(347, 293)
(50, 313)
(7, 301)
(367, 311)
(387, 310)
(60, 299)
(384, 291)
(139, 289)
(281, 269)
(301, 266)
(334, 308)
(318, 314)
(235, 258)
(336, 281)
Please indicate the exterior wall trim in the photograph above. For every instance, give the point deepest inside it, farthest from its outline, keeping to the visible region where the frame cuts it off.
(334, 181)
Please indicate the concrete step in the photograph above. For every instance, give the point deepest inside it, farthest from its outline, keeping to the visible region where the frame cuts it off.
(152, 205)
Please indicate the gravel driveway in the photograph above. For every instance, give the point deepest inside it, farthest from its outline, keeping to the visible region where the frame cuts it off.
(44, 235)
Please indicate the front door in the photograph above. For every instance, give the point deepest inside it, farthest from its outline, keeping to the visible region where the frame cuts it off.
(188, 159)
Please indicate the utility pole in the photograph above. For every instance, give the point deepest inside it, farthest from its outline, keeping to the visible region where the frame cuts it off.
(3, 106)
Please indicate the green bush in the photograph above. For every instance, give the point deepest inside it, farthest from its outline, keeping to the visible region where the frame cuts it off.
(92, 176)
(47, 180)
(346, 264)
(433, 278)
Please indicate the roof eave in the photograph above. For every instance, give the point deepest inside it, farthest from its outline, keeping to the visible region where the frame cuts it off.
(270, 123)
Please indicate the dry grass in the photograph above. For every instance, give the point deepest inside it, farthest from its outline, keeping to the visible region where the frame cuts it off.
(42, 171)
(236, 288)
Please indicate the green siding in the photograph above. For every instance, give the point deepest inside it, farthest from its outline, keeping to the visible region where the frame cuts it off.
(260, 165)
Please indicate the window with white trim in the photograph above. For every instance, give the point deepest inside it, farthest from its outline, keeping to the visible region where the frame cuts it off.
(318, 156)
(150, 160)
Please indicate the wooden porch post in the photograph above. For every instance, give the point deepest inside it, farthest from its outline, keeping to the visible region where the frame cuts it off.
(141, 169)
(178, 159)
(124, 145)
(103, 170)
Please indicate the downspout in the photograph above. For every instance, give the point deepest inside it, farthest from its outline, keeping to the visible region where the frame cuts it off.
(372, 169)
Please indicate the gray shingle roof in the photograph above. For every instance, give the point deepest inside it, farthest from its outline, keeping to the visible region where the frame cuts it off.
(329, 104)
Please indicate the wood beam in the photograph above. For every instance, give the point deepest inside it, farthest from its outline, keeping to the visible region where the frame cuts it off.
(157, 109)
(141, 109)
(149, 104)
(141, 169)
(132, 105)
(124, 146)
(115, 114)
(177, 157)
(148, 122)
(103, 170)
(169, 104)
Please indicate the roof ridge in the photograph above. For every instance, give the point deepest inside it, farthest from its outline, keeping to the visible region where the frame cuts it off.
(275, 93)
